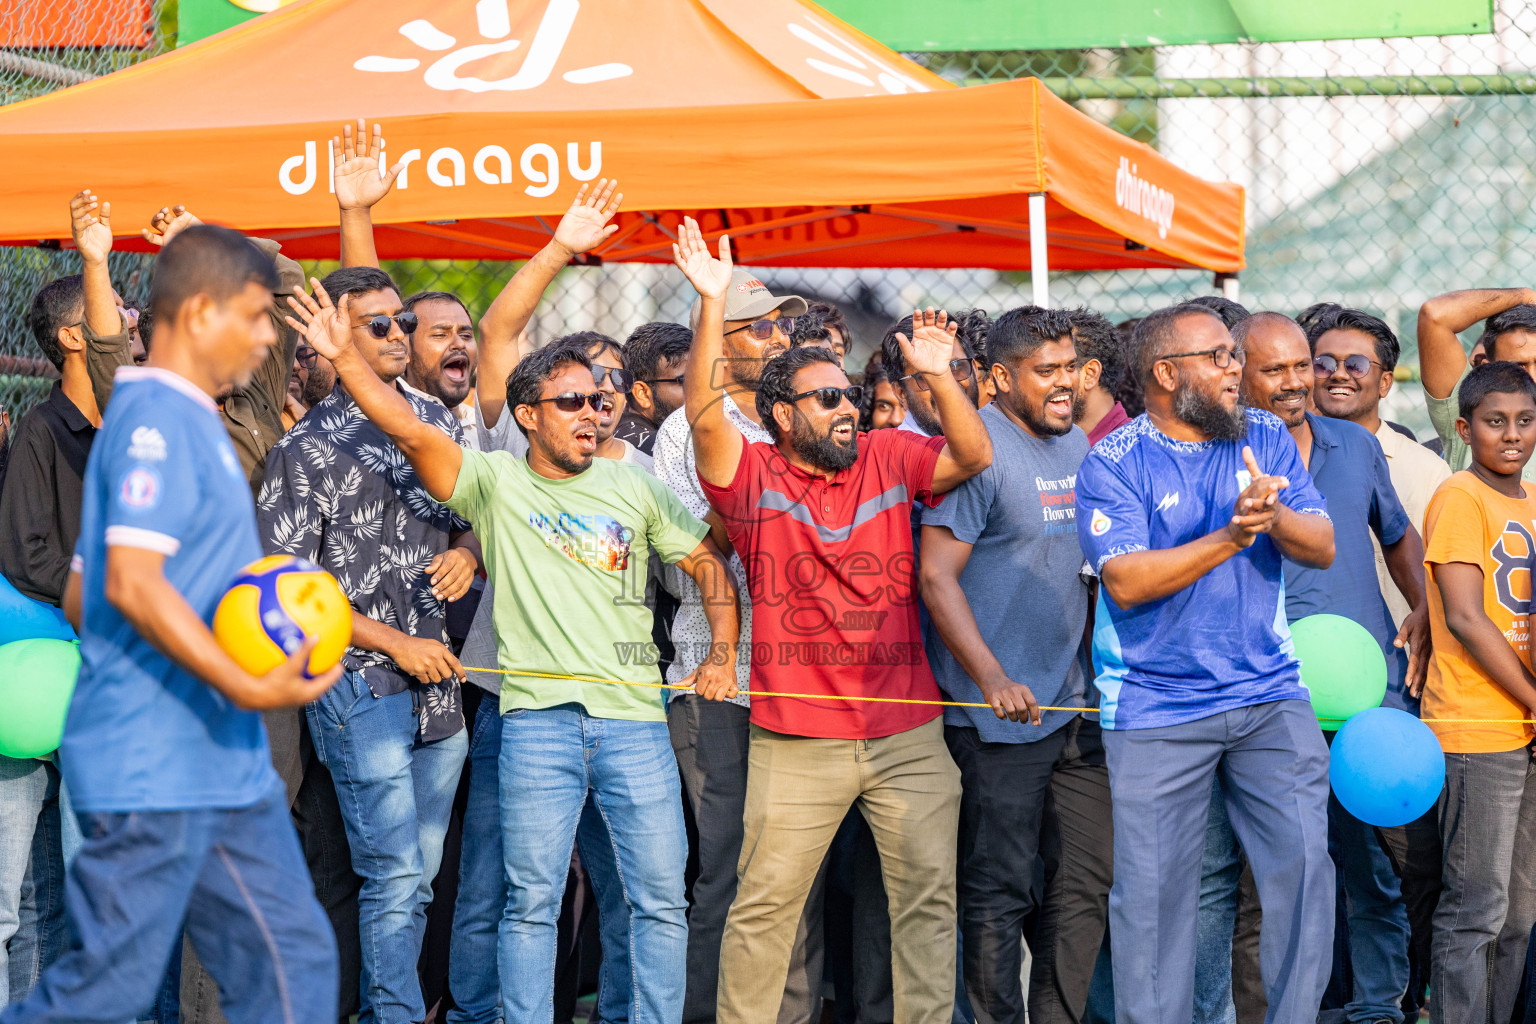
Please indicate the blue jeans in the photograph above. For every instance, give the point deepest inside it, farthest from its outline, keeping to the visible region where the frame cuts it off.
(614, 994)
(24, 788)
(1376, 919)
(395, 800)
(552, 759)
(236, 878)
(1273, 767)
(1220, 867)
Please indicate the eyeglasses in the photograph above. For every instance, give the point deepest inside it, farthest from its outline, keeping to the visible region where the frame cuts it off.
(379, 326)
(305, 357)
(762, 330)
(653, 381)
(831, 398)
(1221, 357)
(1356, 366)
(960, 369)
(572, 402)
(622, 379)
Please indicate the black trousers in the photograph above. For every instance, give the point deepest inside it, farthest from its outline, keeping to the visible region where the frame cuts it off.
(1027, 806)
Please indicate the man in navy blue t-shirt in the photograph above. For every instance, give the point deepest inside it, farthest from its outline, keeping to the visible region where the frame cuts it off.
(1186, 513)
(1349, 468)
(164, 754)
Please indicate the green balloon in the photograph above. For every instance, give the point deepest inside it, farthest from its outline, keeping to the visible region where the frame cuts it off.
(37, 678)
(1341, 664)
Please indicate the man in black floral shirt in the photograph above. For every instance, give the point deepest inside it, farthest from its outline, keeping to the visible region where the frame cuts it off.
(338, 492)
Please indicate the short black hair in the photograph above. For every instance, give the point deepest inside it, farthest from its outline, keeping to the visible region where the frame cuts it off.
(1130, 392)
(409, 304)
(1340, 318)
(650, 345)
(588, 340)
(1315, 312)
(1096, 338)
(206, 259)
(777, 383)
(525, 384)
(1515, 318)
(1494, 377)
(1019, 332)
(809, 328)
(1158, 331)
(357, 281)
(1231, 313)
(874, 375)
(972, 335)
(832, 318)
(59, 303)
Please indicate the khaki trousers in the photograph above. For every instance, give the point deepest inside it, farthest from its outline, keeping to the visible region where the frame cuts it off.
(798, 791)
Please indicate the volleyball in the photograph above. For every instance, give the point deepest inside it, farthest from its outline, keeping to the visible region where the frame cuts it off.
(274, 606)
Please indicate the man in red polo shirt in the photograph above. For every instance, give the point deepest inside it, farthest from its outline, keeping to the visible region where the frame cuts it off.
(822, 520)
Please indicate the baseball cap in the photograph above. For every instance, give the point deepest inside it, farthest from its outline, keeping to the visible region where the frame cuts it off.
(748, 299)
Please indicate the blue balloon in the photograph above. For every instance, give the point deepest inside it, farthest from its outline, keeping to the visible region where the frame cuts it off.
(22, 618)
(1387, 767)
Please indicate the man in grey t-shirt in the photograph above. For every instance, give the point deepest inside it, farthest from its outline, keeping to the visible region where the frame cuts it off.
(1008, 610)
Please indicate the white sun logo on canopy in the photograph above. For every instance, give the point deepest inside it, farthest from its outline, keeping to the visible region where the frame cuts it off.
(494, 21)
(857, 64)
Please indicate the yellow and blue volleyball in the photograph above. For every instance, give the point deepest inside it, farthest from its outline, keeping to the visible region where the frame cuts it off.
(274, 606)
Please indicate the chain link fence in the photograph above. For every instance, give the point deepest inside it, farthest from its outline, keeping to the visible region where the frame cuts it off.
(1379, 172)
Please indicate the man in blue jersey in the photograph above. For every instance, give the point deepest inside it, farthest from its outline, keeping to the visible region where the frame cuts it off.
(164, 754)
(1188, 512)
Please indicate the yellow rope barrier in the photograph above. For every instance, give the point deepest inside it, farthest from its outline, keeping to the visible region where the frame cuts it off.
(899, 700)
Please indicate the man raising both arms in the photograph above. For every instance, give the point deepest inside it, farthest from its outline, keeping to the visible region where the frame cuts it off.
(1187, 512)
(823, 515)
(567, 538)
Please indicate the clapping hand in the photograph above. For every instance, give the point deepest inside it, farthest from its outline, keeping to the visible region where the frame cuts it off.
(359, 182)
(1258, 506)
(709, 275)
(585, 225)
(933, 342)
(90, 224)
(326, 328)
(167, 223)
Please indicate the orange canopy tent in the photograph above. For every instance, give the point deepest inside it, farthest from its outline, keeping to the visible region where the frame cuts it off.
(810, 142)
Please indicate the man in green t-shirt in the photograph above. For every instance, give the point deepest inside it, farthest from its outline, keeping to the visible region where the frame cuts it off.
(1508, 336)
(567, 539)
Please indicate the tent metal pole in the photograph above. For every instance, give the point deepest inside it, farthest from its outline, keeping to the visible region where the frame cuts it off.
(1228, 285)
(1039, 273)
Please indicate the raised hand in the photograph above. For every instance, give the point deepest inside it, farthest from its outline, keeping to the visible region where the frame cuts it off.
(933, 342)
(90, 224)
(167, 223)
(710, 276)
(359, 184)
(1258, 506)
(585, 225)
(326, 328)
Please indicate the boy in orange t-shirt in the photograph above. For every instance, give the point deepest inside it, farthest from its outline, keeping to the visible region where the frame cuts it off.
(1478, 555)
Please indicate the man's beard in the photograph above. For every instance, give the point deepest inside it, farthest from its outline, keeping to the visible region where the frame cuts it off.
(1207, 414)
(927, 416)
(1036, 419)
(820, 450)
(318, 385)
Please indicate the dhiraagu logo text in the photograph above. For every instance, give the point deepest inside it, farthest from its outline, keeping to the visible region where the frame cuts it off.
(601, 542)
(1143, 198)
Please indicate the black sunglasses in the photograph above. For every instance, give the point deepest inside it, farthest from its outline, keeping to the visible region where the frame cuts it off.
(1356, 366)
(305, 357)
(379, 326)
(622, 379)
(653, 381)
(831, 398)
(762, 330)
(960, 369)
(572, 402)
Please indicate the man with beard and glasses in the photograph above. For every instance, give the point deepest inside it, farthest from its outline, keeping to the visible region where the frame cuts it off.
(568, 537)
(1188, 513)
(654, 355)
(822, 519)
(967, 330)
(710, 738)
(1350, 471)
(1001, 547)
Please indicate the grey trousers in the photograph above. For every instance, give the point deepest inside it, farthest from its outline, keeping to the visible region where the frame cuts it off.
(1488, 903)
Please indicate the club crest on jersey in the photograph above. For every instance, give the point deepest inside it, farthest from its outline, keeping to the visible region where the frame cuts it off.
(1100, 523)
(1244, 479)
(141, 489)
